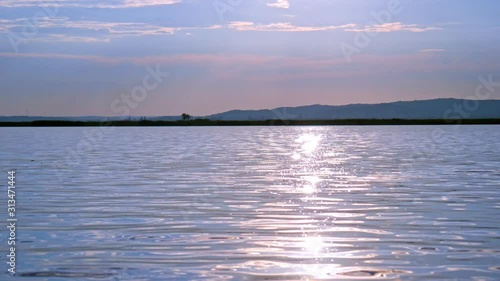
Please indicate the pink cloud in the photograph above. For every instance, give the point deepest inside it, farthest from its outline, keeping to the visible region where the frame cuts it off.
(86, 3)
(393, 27)
(282, 27)
(349, 27)
(260, 67)
(282, 4)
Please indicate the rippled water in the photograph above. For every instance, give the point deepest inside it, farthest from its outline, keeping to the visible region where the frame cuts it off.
(256, 203)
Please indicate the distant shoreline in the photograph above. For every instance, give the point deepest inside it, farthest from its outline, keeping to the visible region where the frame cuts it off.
(206, 122)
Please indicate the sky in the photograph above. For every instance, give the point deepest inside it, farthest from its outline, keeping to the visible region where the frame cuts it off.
(167, 57)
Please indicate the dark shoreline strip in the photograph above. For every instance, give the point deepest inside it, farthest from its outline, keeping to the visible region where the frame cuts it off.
(206, 122)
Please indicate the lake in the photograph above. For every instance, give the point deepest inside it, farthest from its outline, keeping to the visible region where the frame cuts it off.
(254, 203)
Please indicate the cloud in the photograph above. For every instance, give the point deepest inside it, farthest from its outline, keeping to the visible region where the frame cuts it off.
(71, 39)
(243, 65)
(282, 27)
(89, 31)
(187, 58)
(63, 29)
(282, 4)
(98, 59)
(86, 3)
(350, 27)
(393, 27)
(432, 50)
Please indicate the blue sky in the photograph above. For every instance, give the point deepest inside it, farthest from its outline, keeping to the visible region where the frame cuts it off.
(75, 57)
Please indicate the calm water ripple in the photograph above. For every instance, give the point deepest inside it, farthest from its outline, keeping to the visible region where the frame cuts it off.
(256, 203)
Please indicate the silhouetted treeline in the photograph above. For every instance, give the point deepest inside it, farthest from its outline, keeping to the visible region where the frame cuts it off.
(207, 122)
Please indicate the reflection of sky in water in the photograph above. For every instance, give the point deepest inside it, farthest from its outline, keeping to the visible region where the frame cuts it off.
(298, 203)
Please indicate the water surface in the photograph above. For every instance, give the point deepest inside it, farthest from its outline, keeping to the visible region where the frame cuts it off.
(256, 203)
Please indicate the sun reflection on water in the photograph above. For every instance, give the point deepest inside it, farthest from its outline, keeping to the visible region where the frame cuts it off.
(311, 185)
(313, 246)
(309, 142)
(311, 220)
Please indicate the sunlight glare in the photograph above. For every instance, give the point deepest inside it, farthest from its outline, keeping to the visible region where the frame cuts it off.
(309, 142)
(313, 245)
(310, 186)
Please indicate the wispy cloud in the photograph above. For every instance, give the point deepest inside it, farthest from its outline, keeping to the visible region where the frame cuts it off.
(282, 26)
(240, 65)
(72, 39)
(198, 59)
(124, 28)
(98, 59)
(349, 27)
(91, 31)
(432, 50)
(86, 3)
(393, 27)
(282, 4)
(64, 29)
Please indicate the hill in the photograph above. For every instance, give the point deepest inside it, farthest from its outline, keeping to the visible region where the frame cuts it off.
(414, 110)
(423, 109)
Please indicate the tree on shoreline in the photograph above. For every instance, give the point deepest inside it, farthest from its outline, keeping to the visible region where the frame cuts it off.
(185, 117)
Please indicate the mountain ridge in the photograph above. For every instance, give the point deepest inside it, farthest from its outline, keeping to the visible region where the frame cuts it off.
(442, 108)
